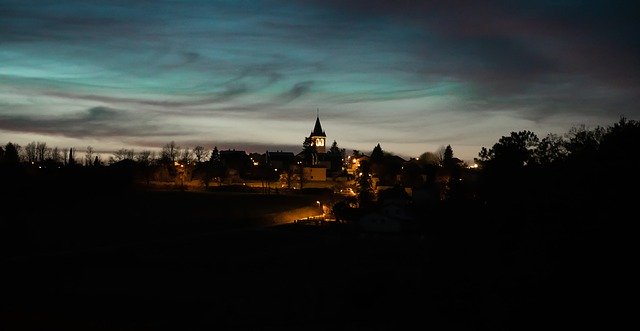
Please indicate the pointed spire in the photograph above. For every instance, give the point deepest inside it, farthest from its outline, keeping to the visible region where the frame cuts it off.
(317, 129)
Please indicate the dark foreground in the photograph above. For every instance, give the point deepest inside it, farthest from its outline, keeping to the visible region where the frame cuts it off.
(484, 274)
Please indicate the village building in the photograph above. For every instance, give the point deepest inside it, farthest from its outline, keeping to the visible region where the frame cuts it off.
(317, 169)
(280, 160)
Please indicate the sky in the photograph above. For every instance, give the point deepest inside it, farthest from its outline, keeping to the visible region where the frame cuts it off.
(413, 76)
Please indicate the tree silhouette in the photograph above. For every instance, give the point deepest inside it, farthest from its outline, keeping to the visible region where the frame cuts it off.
(170, 152)
(364, 185)
(216, 168)
(430, 162)
(41, 151)
(377, 155)
(504, 177)
(11, 156)
(337, 156)
(122, 154)
(447, 157)
(56, 155)
(88, 157)
(412, 174)
(200, 153)
(309, 154)
(72, 159)
(551, 150)
(30, 152)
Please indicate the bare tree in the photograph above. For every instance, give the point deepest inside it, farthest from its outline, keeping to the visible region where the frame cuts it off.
(65, 156)
(88, 156)
(41, 151)
(122, 154)
(30, 152)
(144, 157)
(56, 155)
(200, 153)
(186, 156)
(440, 154)
(170, 151)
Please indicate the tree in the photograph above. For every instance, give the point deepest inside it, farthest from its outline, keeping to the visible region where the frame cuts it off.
(144, 157)
(56, 155)
(620, 143)
(186, 156)
(411, 174)
(337, 156)
(506, 176)
(65, 156)
(334, 149)
(431, 163)
(511, 152)
(30, 152)
(430, 159)
(551, 150)
(452, 167)
(440, 154)
(200, 153)
(309, 154)
(286, 178)
(122, 154)
(11, 154)
(41, 151)
(72, 159)
(170, 152)
(364, 186)
(447, 157)
(88, 157)
(216, 168)
(377, 155)
(215, 155)
(584, 142)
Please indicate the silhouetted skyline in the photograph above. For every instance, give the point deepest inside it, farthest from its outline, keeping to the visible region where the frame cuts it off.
(251, 75)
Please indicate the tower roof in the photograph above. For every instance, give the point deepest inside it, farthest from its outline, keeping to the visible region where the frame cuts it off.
(317, 129)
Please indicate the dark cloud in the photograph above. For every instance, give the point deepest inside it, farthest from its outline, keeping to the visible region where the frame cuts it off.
(95, 122)
(99, 114)
(298, 90)
(67, 21)
(506, 45)
(526, 61)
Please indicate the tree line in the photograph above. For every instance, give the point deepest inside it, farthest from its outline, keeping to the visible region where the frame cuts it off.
(585, 170)
(517, 165)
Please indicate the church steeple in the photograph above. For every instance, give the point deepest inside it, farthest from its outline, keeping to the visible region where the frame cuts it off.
(318, 137)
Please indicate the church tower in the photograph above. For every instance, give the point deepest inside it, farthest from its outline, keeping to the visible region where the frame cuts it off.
(318, 137)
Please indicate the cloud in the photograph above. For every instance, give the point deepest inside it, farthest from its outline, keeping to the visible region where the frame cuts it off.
(94, 122)
(505, 48)
(296, 91)
(145, 68)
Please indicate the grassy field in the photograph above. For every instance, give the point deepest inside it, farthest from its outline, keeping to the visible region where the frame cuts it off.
(68, 220)
(179, 260)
